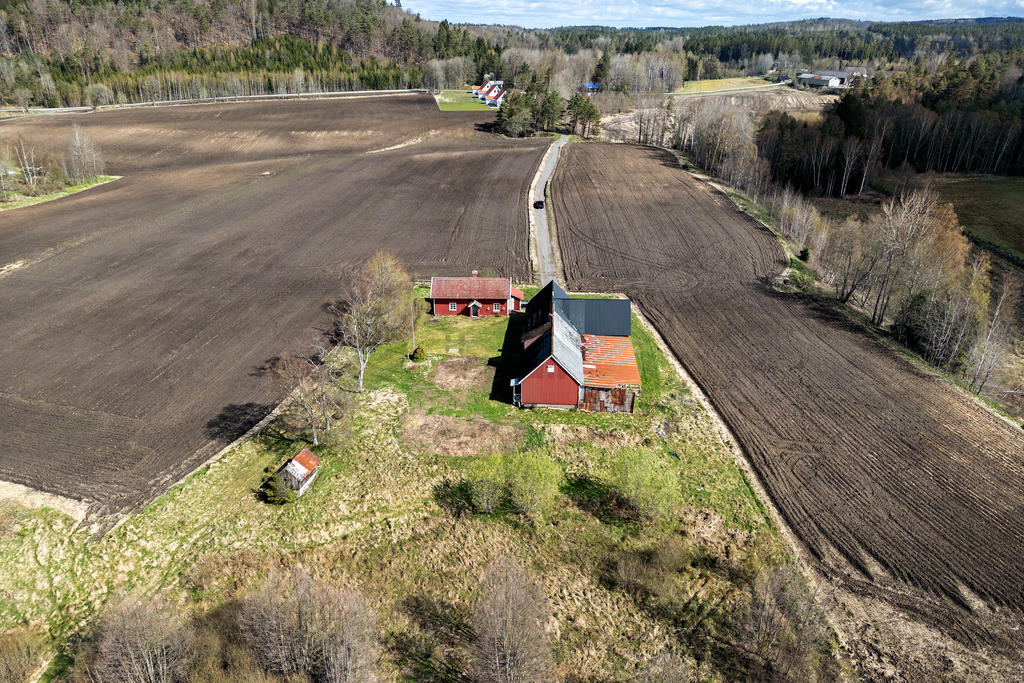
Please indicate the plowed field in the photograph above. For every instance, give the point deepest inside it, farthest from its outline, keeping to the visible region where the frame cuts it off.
(133, 329)
(901, 486)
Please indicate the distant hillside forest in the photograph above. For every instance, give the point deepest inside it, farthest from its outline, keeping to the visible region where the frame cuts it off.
(946, 96)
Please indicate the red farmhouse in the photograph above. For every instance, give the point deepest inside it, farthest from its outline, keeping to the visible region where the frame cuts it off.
(474, 296)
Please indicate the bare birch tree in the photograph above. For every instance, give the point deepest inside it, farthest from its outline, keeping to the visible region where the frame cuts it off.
(508, 623)
(995, 342)
(84, 161)
(27, 162)
(374, 311)
(142, 641)
(297, 626)
(851, 156)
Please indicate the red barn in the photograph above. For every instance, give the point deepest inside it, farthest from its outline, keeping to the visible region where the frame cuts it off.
(474, 296)
(577, 353)
(552, 368)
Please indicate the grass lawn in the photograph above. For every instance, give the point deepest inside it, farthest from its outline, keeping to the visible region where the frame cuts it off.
(989, 207)
(18, 201)
(385, 517)
(460, 100)
(720, 84)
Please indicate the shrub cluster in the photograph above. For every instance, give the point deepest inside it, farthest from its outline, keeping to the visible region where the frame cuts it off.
(645, 483)
(526, 482)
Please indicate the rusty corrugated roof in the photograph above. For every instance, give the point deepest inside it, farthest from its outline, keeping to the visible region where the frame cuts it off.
(609, 362)
(306, 458)
(470, 287)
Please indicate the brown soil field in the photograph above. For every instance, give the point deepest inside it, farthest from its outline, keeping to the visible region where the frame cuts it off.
(902, 488)
(136, 325)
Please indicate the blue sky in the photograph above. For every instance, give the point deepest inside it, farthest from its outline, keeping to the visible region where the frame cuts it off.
(547, 13)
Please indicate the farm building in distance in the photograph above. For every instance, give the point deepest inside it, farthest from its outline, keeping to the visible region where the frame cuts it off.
(826, 78)
(301, 471)
(474, 296)
(577, 353)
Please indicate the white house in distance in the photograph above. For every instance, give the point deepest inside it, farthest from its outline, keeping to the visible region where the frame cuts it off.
(300, 472)
(495, 97)
(483, 92)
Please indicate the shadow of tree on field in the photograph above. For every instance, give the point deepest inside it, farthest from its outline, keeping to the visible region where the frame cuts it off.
(235, 419)
(453, 496)
(432, 650)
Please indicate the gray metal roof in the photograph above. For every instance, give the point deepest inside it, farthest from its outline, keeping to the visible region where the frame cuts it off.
(567, 347)
(560, 342)
(607, 317)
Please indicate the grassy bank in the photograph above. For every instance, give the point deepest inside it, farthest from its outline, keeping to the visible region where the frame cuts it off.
(18, 201)
(389, 516)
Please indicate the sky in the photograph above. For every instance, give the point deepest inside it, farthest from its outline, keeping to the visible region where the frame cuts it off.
(548, 13)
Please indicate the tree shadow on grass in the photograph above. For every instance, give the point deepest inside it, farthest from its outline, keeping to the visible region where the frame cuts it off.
(454, 497)
(432, 652)
(235, 419)
(449, 623)
(600, 500)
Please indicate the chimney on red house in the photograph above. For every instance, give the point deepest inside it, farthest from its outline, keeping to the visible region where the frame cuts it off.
(475, 273)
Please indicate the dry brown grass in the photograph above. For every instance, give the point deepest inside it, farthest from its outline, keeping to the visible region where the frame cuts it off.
(457, 436)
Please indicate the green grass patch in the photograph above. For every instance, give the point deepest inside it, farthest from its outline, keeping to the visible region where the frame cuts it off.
(19, 201)
(989, 207)
(460, 100)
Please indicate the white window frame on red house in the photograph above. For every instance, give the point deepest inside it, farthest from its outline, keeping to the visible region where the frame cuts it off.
(452, 306)
(496, 308)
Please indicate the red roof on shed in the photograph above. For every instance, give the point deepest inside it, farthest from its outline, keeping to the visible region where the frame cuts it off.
(307, 459)
(470, 287)
(609, 362)
(518, 294)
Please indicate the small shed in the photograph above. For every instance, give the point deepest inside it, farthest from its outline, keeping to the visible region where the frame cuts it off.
(301, 471)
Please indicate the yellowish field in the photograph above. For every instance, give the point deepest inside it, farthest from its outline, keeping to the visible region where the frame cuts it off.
(716, 84)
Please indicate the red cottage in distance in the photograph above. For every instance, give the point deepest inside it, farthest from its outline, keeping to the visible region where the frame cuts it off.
(474, 296)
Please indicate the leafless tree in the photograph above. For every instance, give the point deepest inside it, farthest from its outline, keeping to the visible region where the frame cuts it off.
(84, 159)
(23, 97)
(21, 653)
(309, 381)
(374, 311)
(508, 624)
(142, 641)
(871, 156)
(851, 254)
(995, 341)
(27, 162)
(785, 631)
(851, 157)
(298, 626)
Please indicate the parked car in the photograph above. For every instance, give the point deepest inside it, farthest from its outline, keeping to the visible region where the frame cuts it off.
(539, 204)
